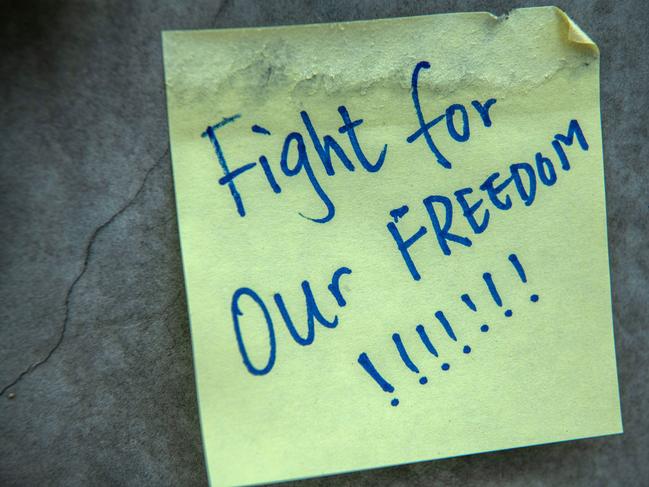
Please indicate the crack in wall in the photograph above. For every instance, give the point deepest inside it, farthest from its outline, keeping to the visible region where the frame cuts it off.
(86, 260)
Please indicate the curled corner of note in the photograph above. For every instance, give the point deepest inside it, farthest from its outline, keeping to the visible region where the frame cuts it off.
(570, 31)
(574, 34)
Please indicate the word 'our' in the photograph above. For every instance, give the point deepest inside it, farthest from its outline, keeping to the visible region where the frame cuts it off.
(256, 303)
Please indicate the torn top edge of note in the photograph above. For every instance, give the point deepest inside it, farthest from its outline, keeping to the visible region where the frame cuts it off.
(573, 33)
(251, 53)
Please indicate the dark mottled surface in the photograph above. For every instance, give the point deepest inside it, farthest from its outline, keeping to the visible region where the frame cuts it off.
(95, 353)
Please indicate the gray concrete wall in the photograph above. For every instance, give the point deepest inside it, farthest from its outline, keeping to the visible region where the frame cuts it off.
(95, 354)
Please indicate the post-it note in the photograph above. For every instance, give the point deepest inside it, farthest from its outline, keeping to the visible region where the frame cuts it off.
(394, 240)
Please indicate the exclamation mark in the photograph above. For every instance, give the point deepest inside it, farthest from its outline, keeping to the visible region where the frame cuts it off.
(446, 325)
(466, 299)
(521, 273)
(406, 358)
(441, 317)
(494, 292)
(367, 364)
(426, 340)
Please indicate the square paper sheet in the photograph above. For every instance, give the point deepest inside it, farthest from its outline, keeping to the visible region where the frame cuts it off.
(394, 240)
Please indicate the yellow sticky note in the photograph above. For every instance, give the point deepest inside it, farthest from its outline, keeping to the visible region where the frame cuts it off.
(394, 240)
